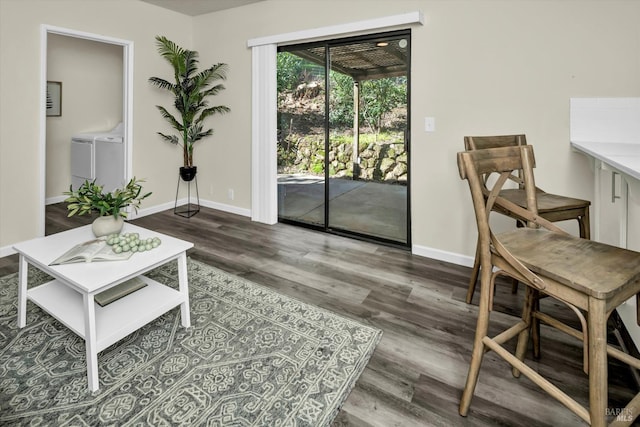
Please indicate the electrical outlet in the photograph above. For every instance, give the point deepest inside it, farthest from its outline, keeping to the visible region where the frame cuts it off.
(230, 194)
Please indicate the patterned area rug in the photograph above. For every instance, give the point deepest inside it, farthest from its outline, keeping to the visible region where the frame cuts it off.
(252, 357)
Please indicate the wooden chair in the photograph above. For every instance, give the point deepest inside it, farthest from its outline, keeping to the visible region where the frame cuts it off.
(552, 207)
(589, 277)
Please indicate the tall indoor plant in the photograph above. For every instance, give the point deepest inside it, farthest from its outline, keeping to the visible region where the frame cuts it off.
(190, 89)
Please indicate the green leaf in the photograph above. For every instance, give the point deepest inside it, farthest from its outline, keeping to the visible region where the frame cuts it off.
(190, 91)
(90, 198)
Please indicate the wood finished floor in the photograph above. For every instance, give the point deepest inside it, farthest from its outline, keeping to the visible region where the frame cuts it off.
(416, 375)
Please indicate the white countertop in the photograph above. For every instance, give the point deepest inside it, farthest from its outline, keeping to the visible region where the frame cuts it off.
(624, 157)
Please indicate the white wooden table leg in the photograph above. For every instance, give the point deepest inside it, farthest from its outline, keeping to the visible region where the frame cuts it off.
(183, 283)
(91, 341)
(22, 292)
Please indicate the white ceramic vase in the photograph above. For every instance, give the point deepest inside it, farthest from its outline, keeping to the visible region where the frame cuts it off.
(108, 224)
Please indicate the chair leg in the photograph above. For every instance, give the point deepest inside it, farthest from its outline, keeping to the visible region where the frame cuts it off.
(535, 326)
(482, 328)
(523, 337)
(514, 282)
(585, 225)
(514, 286)
(474, 276)
(597, 326)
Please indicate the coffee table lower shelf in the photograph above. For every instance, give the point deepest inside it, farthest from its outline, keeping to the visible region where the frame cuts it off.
(113, 321)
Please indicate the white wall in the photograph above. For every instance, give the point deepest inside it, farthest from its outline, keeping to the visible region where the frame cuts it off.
(91, 74)
(478, 67)
(20, 50)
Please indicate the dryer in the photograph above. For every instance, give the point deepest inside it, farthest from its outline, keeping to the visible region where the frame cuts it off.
(109, 161)
(98, 156)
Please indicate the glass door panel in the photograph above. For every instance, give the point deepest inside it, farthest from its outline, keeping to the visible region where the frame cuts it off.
(301, 136)
(367, 154)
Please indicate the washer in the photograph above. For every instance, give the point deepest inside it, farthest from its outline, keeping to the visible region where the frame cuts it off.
(98, 156)
(82, 168)
(109, 161)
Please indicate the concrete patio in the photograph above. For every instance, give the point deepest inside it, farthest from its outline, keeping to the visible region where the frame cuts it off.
(371, 208)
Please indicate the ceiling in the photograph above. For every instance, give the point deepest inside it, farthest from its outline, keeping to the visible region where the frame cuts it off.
(199, 7)
(363, 61)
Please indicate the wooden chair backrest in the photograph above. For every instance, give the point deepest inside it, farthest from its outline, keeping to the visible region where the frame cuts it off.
(482, 142)
(472, 143)
(474, 166)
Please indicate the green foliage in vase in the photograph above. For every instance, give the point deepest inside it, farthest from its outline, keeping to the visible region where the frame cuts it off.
(89, 198)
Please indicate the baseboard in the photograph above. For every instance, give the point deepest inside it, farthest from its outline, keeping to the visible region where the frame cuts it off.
(205, 203)
(57, 199)
(440, 255)
(153, 209)
(225, 208)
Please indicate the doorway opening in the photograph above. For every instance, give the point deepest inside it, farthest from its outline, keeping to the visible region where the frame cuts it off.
(343, 136)
(126, 72)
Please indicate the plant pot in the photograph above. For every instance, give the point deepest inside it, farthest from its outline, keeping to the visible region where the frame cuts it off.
(188, 172)
(105, 225)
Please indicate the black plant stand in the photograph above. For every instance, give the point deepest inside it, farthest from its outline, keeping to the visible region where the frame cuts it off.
(190, 209)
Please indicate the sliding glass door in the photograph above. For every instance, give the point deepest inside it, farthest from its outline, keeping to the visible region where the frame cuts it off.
(343, 152)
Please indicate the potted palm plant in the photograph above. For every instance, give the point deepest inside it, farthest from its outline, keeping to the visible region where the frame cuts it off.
(190, 90)
(89, 198)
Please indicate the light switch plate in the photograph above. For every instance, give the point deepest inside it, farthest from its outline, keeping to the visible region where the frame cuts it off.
(429, 124)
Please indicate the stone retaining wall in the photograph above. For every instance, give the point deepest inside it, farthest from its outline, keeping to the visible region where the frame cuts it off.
(378, 161)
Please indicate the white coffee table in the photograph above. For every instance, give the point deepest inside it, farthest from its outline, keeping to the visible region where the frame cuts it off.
(70, 296)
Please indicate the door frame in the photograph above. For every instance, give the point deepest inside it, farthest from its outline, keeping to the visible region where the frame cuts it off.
(127, 97)
(264, 177)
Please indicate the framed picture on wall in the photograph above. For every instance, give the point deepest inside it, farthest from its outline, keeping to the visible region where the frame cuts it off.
(54, 99)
